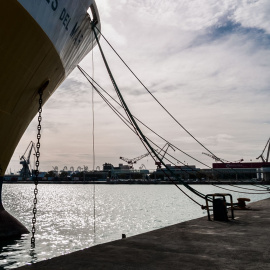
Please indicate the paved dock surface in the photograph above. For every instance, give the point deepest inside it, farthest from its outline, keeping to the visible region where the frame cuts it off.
(243, 243)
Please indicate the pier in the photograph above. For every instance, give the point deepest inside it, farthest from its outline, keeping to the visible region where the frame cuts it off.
(242, 243)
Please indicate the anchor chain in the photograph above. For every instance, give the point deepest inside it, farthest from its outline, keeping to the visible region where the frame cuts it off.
(37, 169)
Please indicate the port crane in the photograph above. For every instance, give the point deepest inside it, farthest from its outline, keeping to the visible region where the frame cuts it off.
(268, 150)
(55, 169)
(134, 160)
(25, 172)
(157, 162)
(142, 167)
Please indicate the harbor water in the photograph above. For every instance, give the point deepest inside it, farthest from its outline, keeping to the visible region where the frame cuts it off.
(72, 217)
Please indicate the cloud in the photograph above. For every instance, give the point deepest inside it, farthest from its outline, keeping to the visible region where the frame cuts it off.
(253, 14)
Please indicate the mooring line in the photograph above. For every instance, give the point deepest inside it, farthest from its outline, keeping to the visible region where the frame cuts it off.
(139, 133)
(267, 188)
(93, 139)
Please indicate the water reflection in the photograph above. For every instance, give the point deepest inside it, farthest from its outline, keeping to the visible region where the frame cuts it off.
(65, 216)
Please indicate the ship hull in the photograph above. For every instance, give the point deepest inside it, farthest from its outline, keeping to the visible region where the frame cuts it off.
(41, 43)
(34, 52)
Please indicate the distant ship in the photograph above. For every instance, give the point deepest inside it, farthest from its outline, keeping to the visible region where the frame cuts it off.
(41, 43)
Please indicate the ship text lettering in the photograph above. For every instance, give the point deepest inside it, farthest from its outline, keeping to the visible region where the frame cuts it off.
(65, 18)
(77, 37)
(54, 4)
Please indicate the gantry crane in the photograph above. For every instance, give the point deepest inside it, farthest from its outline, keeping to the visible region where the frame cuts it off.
(25, 161)
(55, 169)
(157, 162)
(268, 150)
(133, 160)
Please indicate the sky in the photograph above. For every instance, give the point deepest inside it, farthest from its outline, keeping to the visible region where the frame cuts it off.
(206, 61)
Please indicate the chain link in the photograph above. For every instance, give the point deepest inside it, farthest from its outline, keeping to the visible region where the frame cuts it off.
(37, 170)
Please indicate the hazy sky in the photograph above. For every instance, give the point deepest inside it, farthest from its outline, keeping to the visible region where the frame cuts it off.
(206, 61)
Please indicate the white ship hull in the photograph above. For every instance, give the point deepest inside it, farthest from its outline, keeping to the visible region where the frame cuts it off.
(66, 23)
(41, 41)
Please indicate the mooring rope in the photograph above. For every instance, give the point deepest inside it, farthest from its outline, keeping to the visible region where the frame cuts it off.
(255, 184)
(267, 188)
(136, 127)
(154, 96)
(93, 137)
(127, 122)
(240, 191)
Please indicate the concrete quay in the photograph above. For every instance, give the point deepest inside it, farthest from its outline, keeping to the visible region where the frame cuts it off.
(243, 243)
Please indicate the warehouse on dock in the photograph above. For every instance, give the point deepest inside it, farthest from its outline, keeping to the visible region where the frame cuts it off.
(242, 170)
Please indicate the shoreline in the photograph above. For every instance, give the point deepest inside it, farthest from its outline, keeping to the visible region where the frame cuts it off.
(137, 182)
